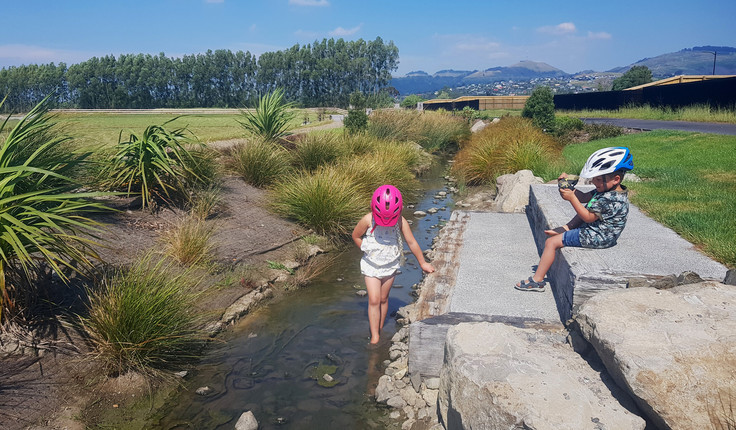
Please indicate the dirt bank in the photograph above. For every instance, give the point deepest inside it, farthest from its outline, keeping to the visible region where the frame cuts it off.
(60, 385)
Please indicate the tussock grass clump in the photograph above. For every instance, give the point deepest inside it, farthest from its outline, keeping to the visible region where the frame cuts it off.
(326, 201)
(141, 319)
(511, 145)
(317, 149)
(189, 241)
(259, 162)
(432, 130)
(205, 202)
(370, 171)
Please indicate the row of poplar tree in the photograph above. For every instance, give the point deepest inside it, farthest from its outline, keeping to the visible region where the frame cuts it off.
(320, 74)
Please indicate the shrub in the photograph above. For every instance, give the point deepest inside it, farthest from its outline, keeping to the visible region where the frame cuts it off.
(270, 119)
(326, 201)
(259, 162)
(141, 319)
(155, 164)
(603, 131)
(540, 108)
(357, 119)
(42, 213)
(636, 75)
(567, 124)
(411, 101)
(511, 145)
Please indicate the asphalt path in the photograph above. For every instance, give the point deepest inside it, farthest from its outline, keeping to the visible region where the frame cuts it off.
(645, 124)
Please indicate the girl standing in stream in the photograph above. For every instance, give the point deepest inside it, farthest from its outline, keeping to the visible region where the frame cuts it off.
(379, 235)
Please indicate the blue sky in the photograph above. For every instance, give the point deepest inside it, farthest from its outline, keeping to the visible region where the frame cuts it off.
(431, 35)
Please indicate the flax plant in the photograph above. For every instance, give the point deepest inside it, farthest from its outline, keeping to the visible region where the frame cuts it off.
(154, 164)
(41, 216)
(271, 117)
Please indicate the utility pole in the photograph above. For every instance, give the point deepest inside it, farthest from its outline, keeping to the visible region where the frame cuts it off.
(715, 54)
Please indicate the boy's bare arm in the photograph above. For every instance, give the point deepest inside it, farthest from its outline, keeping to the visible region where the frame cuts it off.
(584, 214)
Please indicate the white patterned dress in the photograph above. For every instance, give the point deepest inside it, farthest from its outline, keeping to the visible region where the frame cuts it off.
(382, 250)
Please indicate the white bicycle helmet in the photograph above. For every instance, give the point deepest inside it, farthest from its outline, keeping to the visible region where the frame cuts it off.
(607, 160)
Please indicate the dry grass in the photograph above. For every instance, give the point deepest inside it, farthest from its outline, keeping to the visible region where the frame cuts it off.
(189, 241)
(511, 145)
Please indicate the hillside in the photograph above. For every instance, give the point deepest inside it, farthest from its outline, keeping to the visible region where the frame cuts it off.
(695, 61)
(689, 61)
(422, 82)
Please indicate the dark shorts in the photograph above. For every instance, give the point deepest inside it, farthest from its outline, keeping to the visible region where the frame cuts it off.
(571, 238)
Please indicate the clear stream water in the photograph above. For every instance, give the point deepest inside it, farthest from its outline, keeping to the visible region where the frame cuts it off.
(266, 363)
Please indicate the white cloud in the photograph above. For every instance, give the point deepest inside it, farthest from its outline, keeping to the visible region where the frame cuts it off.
(599, 35)
(559, 29)
(318, 3)
(253, 28)
(342, 32)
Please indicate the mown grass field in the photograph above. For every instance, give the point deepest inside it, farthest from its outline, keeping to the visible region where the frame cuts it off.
(689, 184)
(690, 113)
(104, 128)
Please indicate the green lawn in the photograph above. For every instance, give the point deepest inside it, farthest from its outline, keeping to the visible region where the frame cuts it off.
(104, 128)
(689, 184)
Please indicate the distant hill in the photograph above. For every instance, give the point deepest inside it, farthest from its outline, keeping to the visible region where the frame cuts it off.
(422, 82)
(690, 61)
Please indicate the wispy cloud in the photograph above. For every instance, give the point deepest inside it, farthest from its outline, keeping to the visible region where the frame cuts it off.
(599, 35)
(317, 3)
(559, 29)
(30, 54)
(341, 32)
(214, 1)
(304, 34)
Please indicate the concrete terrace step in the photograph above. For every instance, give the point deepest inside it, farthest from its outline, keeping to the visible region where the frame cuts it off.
(495, 251)
(498, 251)
(645, 248)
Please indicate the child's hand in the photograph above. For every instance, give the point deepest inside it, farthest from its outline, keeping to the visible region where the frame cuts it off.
(427, 267)
(563, 175)
(567, 194)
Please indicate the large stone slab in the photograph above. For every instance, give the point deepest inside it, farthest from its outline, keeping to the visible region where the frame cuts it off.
(674, 350)
(501, 377)
(644, 248)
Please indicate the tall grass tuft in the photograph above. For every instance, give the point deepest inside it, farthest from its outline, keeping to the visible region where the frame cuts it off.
(317, 149)
(189, 241)
(259, 162)
(511, 145)
(326, 201)
(141, 319)
(432, 130)
(370, 171)
(697, 113)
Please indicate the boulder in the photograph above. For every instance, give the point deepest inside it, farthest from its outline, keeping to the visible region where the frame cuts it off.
(247, 421)
(513, 190)
(674, 350)
(502, 377)
(478, 126)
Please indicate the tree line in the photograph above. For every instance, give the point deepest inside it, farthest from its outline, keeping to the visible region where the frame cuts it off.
(324, 73)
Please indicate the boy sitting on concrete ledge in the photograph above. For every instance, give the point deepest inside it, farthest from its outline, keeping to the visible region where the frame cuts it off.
(601, 213)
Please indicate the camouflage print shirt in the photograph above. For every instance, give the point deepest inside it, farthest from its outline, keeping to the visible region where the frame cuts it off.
(612, 208)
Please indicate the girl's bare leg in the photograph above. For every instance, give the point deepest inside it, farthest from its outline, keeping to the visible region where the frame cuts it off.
(378, 291)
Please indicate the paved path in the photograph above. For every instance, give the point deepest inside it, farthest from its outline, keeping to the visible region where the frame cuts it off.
(645, 124)
(498, 251)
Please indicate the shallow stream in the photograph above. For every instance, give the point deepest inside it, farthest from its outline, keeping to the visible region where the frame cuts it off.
(271, 361)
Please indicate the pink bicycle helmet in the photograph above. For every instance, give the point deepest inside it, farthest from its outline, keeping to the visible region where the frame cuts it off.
(386, 205)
